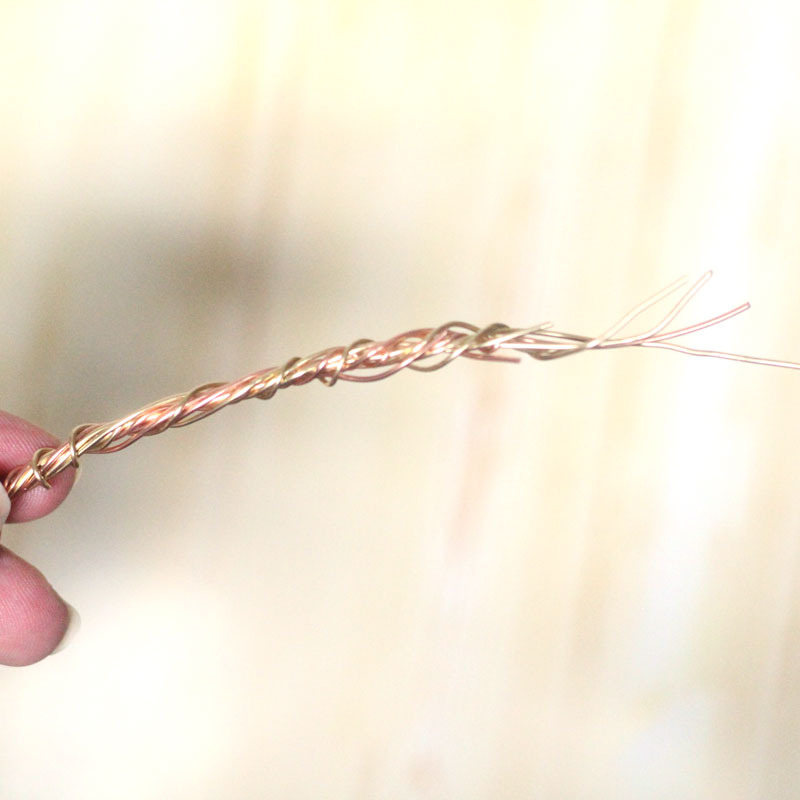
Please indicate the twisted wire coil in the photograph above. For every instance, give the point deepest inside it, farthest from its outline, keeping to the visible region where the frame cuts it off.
(424, 349)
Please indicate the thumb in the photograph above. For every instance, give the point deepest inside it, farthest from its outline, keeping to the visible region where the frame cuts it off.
(34, 620)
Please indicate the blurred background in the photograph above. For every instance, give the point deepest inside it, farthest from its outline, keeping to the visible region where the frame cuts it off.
(568, 580)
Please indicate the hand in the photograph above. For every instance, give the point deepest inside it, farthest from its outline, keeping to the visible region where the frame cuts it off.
(34, 620)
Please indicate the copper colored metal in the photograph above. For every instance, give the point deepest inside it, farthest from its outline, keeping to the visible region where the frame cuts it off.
(424, 349)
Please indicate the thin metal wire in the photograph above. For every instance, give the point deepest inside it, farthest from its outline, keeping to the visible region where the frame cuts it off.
(367, 360)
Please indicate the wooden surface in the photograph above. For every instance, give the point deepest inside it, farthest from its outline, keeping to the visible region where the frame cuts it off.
(567, 580)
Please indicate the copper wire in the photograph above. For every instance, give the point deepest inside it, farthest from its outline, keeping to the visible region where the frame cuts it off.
(423, 349)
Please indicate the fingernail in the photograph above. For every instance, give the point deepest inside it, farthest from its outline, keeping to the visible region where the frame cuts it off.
(5, 506)
(73, 626)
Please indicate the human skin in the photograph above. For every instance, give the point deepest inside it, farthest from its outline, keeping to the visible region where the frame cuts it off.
(33, 619)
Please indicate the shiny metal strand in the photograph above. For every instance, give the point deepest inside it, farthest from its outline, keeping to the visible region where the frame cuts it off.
(424, 349)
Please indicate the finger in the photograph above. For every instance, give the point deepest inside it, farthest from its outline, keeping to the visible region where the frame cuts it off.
(34, 620)
(19, 440)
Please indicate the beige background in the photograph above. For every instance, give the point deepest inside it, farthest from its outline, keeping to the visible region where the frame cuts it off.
(567, 580)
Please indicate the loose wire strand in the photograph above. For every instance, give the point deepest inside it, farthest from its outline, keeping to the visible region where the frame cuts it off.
(422, 349)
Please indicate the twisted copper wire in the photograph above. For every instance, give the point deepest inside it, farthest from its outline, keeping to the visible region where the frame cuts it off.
(368, 360)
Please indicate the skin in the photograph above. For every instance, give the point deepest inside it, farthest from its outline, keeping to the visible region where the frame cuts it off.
(33, 618)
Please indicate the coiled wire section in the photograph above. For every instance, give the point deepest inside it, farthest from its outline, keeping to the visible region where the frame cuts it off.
(424, 349)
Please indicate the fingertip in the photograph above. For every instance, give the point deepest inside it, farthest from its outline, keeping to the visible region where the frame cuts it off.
(39, 501)
(34, 620)
(19, 440)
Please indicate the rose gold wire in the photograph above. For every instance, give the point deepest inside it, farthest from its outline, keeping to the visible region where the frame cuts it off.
(368, 360)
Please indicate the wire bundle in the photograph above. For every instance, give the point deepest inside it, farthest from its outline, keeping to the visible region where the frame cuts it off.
(424, 349)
